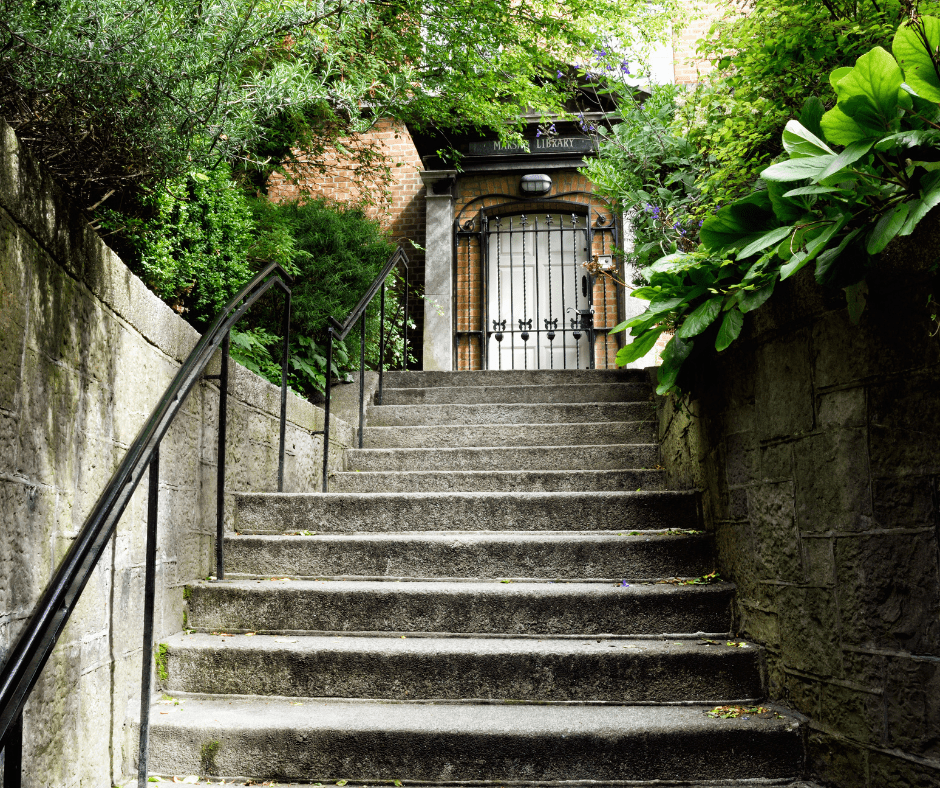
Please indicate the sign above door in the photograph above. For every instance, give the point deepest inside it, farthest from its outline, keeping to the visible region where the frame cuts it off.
(546, 144)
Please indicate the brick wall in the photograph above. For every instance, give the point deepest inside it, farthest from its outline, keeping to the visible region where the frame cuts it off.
(395, 198)
(689, 69)
(475, 192)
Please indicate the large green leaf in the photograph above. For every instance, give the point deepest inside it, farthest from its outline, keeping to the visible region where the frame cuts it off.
(852, 153)
(739, 224)
(888, 226)
(920, 208)
(638, 348)
(869, 92)
(909, 139)
(730, 329)
(673, 355)
(800, 142)
(664, 305)
(813, 247)
(766, 240)
(840, 129)
(670, 264)
(913, 44)
(701, 318)
(811, 114)
(798, 169)
(787, 210)
(838, 74)
(751, 299)
(809, 190)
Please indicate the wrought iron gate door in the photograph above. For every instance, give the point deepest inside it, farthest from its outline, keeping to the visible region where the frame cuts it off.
(539, 313)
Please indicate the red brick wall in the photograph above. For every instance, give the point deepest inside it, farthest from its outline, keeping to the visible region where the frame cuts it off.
(689, 69)
(395, 198)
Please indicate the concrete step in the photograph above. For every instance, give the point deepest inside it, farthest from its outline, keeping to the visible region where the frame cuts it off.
(496, 481)
(746, 783)
(528, 458)
(510, 608)
(642, 555)
(433, 668)
(427, 511)
(478, 435)
(540, 413)
(416, 379)
(383, 741)
(485, 395)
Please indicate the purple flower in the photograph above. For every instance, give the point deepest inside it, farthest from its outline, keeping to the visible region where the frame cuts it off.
(701, 222)
(624, 584)
(560, 75)
(601, 54)
(538, 133)
(625, 67)
(551, 129)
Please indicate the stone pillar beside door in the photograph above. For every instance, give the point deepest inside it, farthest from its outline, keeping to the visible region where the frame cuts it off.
(439, 270)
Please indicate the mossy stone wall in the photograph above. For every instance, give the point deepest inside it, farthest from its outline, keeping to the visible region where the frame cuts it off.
(85, 353)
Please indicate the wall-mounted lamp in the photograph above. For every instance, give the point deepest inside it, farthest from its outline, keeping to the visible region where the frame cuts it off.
(535, 185)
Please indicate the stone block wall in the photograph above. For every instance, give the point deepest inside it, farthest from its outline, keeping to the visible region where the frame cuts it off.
(815, 443)
(85, 353)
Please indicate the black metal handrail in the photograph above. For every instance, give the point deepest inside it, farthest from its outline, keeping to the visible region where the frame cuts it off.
(35, 643)
(341, 330)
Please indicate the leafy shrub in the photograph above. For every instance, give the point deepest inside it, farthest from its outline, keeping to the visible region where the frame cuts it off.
(335, 252)
(837, 209)
(650, 170)
(193, 249)
(768, 61)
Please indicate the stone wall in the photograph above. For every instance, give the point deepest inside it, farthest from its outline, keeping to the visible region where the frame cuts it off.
(815, 443)
(85, 353)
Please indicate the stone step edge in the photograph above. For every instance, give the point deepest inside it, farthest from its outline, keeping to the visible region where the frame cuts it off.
(398, 634)
(498, 535)
(615, 581)
(580, 446)
(522, 496)
(684, 704)
(759, 782)
(510, 405)
(547, 425)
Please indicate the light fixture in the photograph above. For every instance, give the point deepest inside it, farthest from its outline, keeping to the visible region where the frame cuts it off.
(535, 185)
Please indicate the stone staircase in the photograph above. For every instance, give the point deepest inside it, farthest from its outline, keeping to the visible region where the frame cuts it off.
(478, 600)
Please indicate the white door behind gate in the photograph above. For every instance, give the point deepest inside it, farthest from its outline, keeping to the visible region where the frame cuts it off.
(536, 286)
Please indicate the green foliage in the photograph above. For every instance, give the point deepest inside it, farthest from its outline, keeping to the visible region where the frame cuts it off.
(193, 249)
(768, 62)
(121, 95)
(651, 171)
(837, 209)
(160, 660)
(335, 252)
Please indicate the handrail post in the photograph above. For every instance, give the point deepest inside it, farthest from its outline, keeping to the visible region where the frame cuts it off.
(326, 409)
(362, 374)
(285, 357)
(378, 395)
(220, 476)
(150, 568)
(12, 747)
(404, 329)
